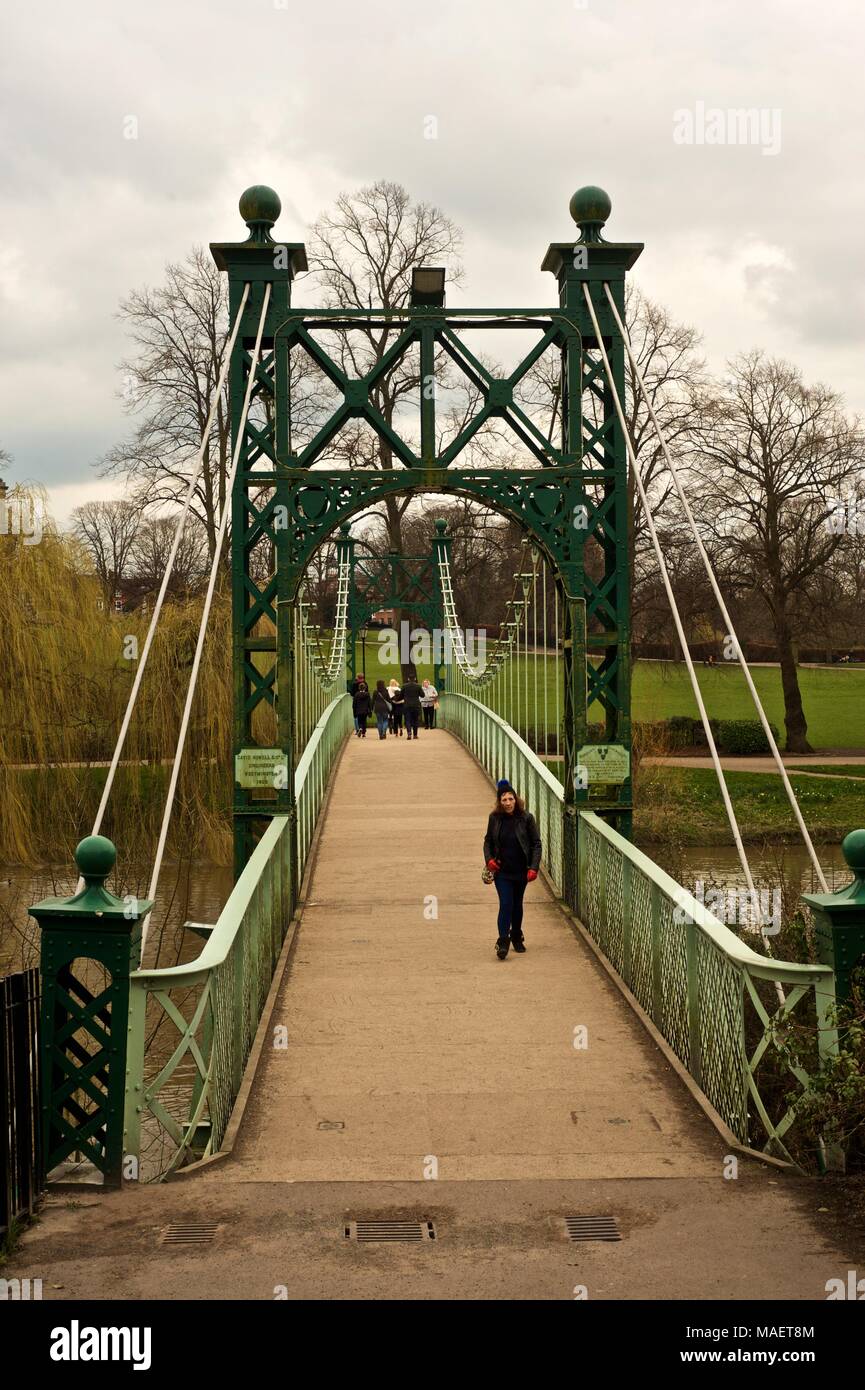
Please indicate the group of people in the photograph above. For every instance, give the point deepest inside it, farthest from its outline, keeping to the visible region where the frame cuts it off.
(394, 705)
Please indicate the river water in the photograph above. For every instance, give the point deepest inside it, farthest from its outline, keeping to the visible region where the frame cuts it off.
(787, 866)
(187, 892)
(198, 892)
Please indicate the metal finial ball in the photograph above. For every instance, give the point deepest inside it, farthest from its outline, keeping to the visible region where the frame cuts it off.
(95, 857)
(853, 849)
(260, 204)
(441, 526)
(590, 204)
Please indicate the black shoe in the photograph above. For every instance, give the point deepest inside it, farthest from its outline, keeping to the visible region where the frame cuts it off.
(502, 945)
(518, 942)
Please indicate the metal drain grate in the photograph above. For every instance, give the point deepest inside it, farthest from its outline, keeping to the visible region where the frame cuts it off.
(188, 1233)
(389, 1230)
(592, 1228)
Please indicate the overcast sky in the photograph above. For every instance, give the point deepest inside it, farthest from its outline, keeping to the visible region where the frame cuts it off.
(757, 244)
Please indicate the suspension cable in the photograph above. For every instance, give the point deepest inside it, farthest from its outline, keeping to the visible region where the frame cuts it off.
(662, 564)
(328, 668)
(202, 628)
(503, 647)
(169, 567)
(709, 568)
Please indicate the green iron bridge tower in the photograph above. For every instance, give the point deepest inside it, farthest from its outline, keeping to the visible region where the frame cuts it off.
(287, 501)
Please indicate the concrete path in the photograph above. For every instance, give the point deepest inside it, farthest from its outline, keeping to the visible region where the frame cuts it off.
(411, 1047)
(797, 761)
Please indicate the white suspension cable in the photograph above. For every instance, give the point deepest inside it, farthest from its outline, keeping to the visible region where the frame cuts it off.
(169, 567)
(503, 647)
(328, 671)
(202, 628)
(698, 695)
(674, 473)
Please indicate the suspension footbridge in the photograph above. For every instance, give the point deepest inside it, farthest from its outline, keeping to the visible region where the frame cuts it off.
(345, 1018)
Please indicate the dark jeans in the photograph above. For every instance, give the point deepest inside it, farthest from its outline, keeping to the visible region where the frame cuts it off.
(411, 719)
(396, 719)
(510, 905)
(381, 723)
(429, 716)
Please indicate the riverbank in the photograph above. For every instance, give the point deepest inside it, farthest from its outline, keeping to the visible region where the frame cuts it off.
(685, 803)
(679, 804)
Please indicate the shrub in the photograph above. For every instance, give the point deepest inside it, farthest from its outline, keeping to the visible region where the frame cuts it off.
(742, 736)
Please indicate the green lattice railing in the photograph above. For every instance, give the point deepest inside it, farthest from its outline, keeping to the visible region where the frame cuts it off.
(704, 989)
(179, 1108)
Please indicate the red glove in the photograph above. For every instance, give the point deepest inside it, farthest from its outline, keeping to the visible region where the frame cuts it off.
(493, 865)
(531, 875)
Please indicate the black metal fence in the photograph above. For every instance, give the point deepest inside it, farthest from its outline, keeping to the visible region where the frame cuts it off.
(20, 1125)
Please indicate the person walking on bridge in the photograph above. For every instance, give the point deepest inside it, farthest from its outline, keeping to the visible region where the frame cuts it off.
(394, 694)
(381, 708)
(512, 854)
(360, 706)
(428, 698)
(358, 681)
(411, 693)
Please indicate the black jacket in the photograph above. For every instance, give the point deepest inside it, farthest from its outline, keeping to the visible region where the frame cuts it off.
(528, 835)
(361, 703)
(380, 703)
(411, 693)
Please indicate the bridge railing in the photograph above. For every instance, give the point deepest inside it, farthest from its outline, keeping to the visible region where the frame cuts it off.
(502, 753)
(200, 1019)
(713, 998)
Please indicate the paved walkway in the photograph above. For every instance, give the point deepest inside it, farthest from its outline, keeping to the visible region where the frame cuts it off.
(409, 1041)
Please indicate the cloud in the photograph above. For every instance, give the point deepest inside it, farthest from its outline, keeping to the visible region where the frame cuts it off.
(530, 101)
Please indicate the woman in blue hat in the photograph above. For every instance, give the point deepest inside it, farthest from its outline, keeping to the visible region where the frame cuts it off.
(512, 853)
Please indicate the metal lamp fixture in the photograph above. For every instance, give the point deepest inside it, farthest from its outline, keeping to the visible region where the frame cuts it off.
(428, 285)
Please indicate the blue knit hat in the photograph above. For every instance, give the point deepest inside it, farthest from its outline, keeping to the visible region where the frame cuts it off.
(503, 786)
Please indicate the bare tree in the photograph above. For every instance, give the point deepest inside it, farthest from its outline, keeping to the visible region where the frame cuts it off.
(108, 531)
(667, 353)
(363, 254)
(180, 333)
(771, 455)
(151, 548)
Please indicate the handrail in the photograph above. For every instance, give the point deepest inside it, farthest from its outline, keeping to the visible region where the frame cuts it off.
(215, 950)
(519, 743)
(694, 977)
(792, 972)
(221, 994)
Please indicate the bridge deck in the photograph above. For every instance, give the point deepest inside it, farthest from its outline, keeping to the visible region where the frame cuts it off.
(407, 1037)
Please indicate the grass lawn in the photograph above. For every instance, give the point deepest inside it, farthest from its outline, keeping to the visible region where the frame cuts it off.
(833, 698)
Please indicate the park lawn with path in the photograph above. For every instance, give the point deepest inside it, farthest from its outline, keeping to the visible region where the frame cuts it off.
(833, 698)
